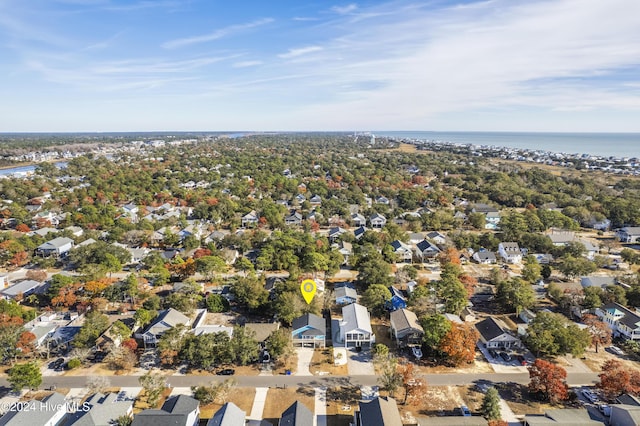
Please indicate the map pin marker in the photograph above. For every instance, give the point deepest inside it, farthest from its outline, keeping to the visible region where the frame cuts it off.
(308, 289)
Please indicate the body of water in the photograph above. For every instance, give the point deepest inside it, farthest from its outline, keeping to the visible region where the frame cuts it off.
(25, 170)
(618, 145)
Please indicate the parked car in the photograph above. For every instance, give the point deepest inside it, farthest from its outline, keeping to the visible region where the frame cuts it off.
(616, 350)
(590, 395)
(605, 409)
(55, 365)
(505, 356)
(226, 372)
(493, 353)
(465, 411)
(522, 360)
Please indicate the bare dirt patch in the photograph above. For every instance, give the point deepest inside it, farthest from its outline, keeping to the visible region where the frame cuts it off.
(242, 397)
(381, 330)
(595, 360)
(341, 403)
(278, 400)
(142, 404)
(322, 362)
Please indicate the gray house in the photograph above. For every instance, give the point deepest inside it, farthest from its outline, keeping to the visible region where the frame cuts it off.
(405, 328)
(382, 411)
(228, 415)
(309, 330)
(47, 412)
(495, 336)
(180, 410)
(167, 319)
(296, 415)
(102, 410)
(58, 247)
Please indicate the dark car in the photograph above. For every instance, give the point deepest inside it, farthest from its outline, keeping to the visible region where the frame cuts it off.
(226, 372)
(522, 360)
(493, 353)
(505, 356)
(54, 365)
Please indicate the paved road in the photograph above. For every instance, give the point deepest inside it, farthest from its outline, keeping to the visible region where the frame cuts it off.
(573, 379)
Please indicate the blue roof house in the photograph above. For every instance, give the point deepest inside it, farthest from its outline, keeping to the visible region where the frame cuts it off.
(398, 301)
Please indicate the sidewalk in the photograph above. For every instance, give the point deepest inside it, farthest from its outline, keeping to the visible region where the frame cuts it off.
(258, 404)
(320, 419)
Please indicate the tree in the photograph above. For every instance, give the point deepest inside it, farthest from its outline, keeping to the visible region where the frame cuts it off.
(216, 392)
(144, 316)
(250, 291)
(97, 384)
(548, 380)
(244, 345)
(600, 331)
(171, 343)
(390, 378)
(435, 327)
(616, 379)
(279, 343)
(121, 358)
(414, 386)
(120, 330)
(216, 303)
(460, 344)
(95, 323)
(550, 334)
(531, 271)
(373, 269)
(153, 385)
(26, 375)
(10, 331)
(209, 266)
(375, 298)
(36, 275)
(515, 294)
(572, 267)
(491, 405)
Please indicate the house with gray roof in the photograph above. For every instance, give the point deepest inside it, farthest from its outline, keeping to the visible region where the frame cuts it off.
(309, 330)
(228, 415)
(510, 252)
(624, 415)
(563, 416)
(345, 295)
(358, 220)
(167, 319)
(293, 219)
(405, 328)
(250, 219)
(23, 289)
(402, 251)
(47, 412)
(484, 257)
(355, 327)
(180, 410)
(58, 247)
(296, 415)
(595, 281)
(377, 221)
(623, 322)
(425, 249)
(262, 330)
(381, 411)
(495, 336)
(629, 234)
(101, 410)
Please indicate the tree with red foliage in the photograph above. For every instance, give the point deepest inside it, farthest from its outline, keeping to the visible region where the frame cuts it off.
(469, 283)
(23, 228)
(450, 255)
(616, 379)
(600, 332)
(201, 252)
(549, 380)
(26, 343)
(460, 344)
(130, 344)
(19, 259)
(498, 423)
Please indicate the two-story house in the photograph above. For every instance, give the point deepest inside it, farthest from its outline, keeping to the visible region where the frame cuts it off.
(355, 327)
(623, 322)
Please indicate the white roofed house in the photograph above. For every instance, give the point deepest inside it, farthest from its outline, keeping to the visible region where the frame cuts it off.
(250, 219)
(47, 412)
(629, 234)
(22, 289)
(405, 328)
(345, 249)
(623, 322)
(355, 327)
(358, 220)
(167, 319)
(58, 247)
(510, 252)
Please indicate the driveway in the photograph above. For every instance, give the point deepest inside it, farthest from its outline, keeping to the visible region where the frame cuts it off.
(304, 361)
(360, 363)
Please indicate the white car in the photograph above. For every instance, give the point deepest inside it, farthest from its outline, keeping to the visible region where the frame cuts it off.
(592, 397)
(616, 350)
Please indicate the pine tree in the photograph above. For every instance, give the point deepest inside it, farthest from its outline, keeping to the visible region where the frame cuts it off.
(491, 405)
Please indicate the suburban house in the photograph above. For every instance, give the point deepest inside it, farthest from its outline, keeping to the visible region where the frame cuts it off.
(494, 335)
(601, 282)
(101, 410)
(22, 289)
(624, 415)
(398, 301)
(382, 200)
(484, 257)
(381, 411)
(359, 232)
(293, 219)
(355, 327)
(316, 200)
(377, 221)
(228, 415)
(309, 330)
(358, 220)
(426, 250)
(623, 322)
(437, 237)
(345, 294)
(296, 415)
(629, 234)
(250, 219)
(335, 233)
(262, 330)
(167, 319)
(58, 247)
(180, 410)
(405, 328)
(562, 416)
(491, 220)
(345, 249)
(510, 252)
(47, 412)
(402, 251)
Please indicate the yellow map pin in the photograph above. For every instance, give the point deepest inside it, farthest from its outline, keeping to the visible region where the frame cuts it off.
(308, 289)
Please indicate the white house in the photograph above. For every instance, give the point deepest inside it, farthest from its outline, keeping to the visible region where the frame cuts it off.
(58, 247)
(167, 319)
(494, 336)
(402, 251)
(355, 327)
(510, 252)
(623, 322)
(377, 221)
(250, 219)
(629, 234)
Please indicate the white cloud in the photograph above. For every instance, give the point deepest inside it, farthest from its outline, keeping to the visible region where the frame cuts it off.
(215, 35)
(246, 64)
(344, 10)
(294, 53)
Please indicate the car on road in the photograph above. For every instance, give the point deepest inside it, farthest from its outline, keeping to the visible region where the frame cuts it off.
(616, 350)
(226, 372)
(505, 356)
(465, 411)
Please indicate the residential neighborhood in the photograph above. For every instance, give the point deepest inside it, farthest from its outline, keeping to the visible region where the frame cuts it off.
(173, 295)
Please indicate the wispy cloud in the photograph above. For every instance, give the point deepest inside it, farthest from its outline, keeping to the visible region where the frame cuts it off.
(246, 64)
(294, 53)
(343, 10)
(215, 35)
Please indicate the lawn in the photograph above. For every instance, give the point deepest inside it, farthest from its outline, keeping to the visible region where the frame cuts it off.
(278, 400)
(242, 397)
(322, 362)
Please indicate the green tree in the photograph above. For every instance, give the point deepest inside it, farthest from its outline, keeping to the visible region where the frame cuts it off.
(491, 405)
(244, 345)
(550, 334)
(435, 327)
(217, 303)
(515, 294)
(279, 343)
(373, 269)
(375, 298)
(120, 330)
(209, 266)
(531, 271)
(153, 385)
(572, 267)
(250, 291)
(26, 375)
(95, 323)
(144, 316)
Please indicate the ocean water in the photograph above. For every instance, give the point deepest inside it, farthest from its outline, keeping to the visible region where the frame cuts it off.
(618, 145)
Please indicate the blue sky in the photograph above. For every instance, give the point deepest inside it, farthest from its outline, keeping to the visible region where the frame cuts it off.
(138, 65)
